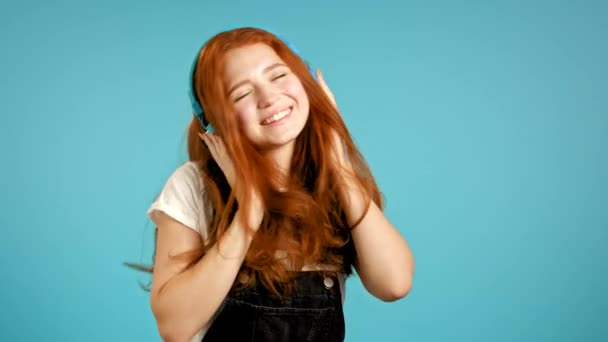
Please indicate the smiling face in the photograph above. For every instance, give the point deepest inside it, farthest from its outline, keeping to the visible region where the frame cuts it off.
(268, 98)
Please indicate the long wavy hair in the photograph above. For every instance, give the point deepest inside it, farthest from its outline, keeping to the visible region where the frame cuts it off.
(306, 218)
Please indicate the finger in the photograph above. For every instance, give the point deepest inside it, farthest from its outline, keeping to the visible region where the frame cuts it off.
(217, 141)
(325, 87)
(210, 137)
(208, 140)
(322, 80)
(204, 139)
(219, 148)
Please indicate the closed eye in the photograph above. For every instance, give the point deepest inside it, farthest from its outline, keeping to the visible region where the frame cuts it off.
(240, 97)
(279, 76)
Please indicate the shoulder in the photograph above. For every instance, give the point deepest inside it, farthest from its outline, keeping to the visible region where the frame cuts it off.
(184, 184)
(182, 198)
(187, 175)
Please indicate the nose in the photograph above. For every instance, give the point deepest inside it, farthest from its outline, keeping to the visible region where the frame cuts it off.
(267, 96)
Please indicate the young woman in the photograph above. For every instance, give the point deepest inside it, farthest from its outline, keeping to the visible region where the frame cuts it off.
(257, 232)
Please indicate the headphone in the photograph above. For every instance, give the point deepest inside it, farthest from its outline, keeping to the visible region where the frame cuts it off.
(197, 108)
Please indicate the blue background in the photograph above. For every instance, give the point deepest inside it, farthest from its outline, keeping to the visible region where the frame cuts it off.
(485, 122)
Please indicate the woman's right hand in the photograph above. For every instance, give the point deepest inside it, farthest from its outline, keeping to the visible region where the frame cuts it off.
(216, 146)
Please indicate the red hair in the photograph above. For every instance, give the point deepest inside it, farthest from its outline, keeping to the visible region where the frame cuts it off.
(307, 220)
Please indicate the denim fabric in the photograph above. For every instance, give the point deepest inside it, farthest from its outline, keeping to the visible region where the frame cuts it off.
(312, 313)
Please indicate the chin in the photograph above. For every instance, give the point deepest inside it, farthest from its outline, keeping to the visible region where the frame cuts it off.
(285, 138)
(279, 143)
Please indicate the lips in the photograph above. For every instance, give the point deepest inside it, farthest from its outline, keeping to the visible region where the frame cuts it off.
(277, 116)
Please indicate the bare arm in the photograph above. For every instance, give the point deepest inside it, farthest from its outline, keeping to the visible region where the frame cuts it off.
(183, 301)
(384, 262)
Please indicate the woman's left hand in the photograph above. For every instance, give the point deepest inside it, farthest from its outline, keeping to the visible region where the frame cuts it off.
(339, 152)
(325, 88)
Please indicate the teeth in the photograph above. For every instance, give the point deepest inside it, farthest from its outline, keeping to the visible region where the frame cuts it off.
(278, 116)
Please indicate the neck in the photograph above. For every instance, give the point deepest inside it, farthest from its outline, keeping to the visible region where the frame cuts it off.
(282, 157)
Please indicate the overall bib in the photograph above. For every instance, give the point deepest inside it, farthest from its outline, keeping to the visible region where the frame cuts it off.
(312, 313)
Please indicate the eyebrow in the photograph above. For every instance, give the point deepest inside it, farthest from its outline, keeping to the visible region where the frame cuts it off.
(266, 69)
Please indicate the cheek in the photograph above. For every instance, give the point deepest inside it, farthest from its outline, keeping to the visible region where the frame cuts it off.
(303, 98)
(246, 114)
(298, 92)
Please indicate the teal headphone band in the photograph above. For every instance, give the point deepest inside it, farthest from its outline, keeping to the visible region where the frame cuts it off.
(197, 108)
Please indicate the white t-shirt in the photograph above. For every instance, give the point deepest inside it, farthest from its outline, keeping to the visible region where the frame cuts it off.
(182, 199)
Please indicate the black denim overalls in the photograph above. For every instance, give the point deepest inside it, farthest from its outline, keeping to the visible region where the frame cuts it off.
(312, 313)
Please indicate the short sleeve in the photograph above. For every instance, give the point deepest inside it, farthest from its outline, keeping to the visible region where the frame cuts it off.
(182, 199)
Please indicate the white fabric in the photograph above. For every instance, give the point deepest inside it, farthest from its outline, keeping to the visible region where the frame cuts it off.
(182, 199)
